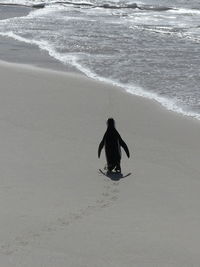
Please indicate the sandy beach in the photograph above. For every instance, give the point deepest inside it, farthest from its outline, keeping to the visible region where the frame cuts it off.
(58, 210)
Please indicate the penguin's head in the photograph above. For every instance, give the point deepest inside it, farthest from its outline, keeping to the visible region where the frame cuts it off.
(111, 122)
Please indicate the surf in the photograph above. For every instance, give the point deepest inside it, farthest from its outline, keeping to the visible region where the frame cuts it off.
(81, 58)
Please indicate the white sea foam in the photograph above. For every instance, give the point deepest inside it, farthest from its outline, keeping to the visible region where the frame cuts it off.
(73, 59)
(184, 11)
(139, 91)
(76, 59)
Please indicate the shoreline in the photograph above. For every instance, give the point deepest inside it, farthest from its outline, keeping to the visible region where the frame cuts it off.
(66, 71)
(16, 51)
(40, 58)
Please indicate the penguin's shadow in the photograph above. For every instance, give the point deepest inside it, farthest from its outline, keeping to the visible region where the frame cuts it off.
(115, 176)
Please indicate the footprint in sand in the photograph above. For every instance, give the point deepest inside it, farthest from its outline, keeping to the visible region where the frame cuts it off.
(115, 190)
(6, 249)
(109, 195)
(114, 198)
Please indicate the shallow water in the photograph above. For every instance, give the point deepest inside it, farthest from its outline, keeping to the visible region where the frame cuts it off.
(150, 49)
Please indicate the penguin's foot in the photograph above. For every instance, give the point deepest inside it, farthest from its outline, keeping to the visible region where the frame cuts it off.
(118, 169)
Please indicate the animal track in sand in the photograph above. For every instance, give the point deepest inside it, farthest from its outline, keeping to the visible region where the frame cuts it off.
(109, 195)
(115, 190)
(114, 198)
(6, 249)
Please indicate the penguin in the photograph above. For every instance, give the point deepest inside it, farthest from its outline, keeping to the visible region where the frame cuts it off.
(112, 142)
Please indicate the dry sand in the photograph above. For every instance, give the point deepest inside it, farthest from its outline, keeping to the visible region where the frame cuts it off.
(57, 210)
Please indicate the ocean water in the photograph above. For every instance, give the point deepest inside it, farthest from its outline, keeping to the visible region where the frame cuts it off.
(150, 48)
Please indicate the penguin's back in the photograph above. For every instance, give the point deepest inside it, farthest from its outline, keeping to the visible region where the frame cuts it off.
(112, 146)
